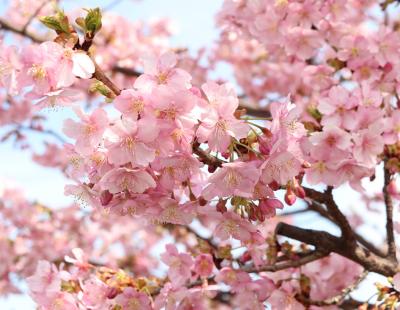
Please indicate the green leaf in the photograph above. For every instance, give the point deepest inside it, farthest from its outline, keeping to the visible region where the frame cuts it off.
(93, 21)
(64, 22)
(80, 22)
(58, 22)
(51, 22)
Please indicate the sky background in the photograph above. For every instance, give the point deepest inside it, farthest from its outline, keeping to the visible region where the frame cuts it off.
(194, 21)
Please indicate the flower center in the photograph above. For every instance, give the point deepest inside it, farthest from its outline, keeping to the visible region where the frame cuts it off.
(37, 72)
(232, 179)
(137, 105)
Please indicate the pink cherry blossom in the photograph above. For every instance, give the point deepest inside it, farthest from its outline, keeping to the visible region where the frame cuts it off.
(203, 265)
(128, 142)
(335, 108)
(161, 71)
(219, 125)
(237, 178)
(131, 103)
(232, 225)
(124, 179)
(89, 132)
(179, 265)
(134, 300)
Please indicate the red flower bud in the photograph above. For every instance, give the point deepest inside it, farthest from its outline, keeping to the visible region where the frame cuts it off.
(274, 185)
(221, 206)
(300, 192)
(245, 257)
(105, 197)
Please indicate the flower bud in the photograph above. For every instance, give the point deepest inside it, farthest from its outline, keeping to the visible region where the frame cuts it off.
(105, 197)
(221, 206)
(211, 168)
(268, 207)
(202, 201)
(300, 192)
(290, 197)
(274, 185)
(245, 257)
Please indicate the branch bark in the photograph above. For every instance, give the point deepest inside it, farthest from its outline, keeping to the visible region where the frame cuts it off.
(316, 207)
(326, 198)
(326, 242)
(389, 216)
(23, 32)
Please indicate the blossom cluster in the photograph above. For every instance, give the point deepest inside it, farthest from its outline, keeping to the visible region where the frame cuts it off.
(83, 286)
(28, 234)
(165, 148)
(339, 70)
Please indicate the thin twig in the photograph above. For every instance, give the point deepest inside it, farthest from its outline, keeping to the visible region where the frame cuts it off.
(6, 26)
(206, 158)
(315, 255)
(100, 75)
(33, 16)
(336, 300)
(111, 5)
(42, 131)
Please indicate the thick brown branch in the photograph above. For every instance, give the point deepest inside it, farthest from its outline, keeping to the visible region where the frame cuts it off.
(328, 243)
(389, 216)
(326, 198)
(316, 207)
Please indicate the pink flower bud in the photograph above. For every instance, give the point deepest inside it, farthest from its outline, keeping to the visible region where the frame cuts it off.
(387, 68)
(195, 91)
(300, 192)
(268, 207)
(211, 168)
(112, 292)
(226, 155)
(290, 197)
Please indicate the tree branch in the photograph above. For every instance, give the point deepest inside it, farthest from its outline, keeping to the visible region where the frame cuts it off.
(100, 75)
(391, 242)
(315, 255)
(326, 198)
(206, 158)
(23, 32)
(316, 207)
(336, 300)
(33, 16)
(326, 242)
